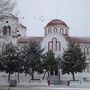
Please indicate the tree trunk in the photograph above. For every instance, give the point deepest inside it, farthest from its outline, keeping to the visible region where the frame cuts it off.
(8, 77)
(59, 75)
(18, 77)
(44, 75)
(32, 75)
(48, 74)
(73, 76)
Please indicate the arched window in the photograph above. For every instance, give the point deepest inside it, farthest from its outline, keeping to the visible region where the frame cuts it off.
(49, 30)
(6, 30)
(9, 30)
(61, 30)
(66, 31)
(54, 45)
(50, 46)
(54, 40)
(55, 30)
(58, 46)
(85, 50)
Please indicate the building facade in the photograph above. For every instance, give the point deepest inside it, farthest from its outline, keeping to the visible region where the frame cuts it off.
(10, 30)
(56, 36)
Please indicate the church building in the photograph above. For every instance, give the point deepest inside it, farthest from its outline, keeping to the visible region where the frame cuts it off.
(56, 36)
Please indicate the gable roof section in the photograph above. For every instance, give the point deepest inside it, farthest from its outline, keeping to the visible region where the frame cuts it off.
(36, 39)
(26, 39)
(80, 40)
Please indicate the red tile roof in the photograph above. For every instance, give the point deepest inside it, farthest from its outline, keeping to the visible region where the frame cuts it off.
(36, 39)
(80, 40)
(56, 22)
(22, 40)
(26, 39)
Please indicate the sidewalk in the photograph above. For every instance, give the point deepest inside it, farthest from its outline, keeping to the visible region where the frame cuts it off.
(33, 83)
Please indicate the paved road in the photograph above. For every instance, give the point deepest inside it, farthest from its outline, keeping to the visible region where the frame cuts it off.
(45, 88)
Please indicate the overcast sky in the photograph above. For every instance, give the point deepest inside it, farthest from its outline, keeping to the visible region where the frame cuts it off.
(35, 14)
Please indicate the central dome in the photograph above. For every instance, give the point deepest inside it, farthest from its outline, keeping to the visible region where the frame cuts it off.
(56, 22)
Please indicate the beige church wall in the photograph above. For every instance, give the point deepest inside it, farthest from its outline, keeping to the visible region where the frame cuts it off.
(48, 38)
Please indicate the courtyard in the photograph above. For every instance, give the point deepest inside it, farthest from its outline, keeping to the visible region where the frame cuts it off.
(24, 83)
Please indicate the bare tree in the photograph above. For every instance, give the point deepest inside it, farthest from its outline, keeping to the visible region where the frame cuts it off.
(7, 6)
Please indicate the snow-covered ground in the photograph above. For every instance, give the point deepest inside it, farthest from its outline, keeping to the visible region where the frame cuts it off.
(24, 83)
(44, 88)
